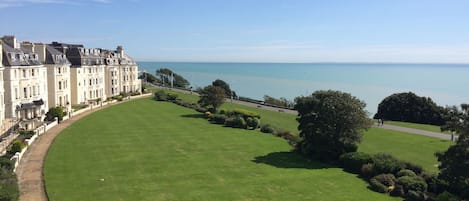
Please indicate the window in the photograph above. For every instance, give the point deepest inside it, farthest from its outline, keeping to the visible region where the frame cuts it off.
(60, 100)
(30, 94)
(90, 82)
(89, 70)
(16, 93)
(25, 93)
(60, 85)
(58, 70)
(34, 90)
(32, 72)
(24, 72)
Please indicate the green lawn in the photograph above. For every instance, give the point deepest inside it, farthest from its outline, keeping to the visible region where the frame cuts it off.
(148, 150)
(426, 127)
(412, 148)
(409, 147)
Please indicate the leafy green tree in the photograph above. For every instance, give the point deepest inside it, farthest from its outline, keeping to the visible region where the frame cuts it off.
(212, 96)
(225, 86)
(54, 112)
(149, 78)
(454, 167)
(331, 124)
(409, 107)
(178, 80)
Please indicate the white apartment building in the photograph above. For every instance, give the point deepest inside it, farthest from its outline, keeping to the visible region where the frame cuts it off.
(25, 83)
(111, 75)
(128, 73)
(2, 90)
(86, 73)
(58, 76)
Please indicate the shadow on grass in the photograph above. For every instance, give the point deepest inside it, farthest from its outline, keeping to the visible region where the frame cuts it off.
(196, 116)
(290, 160)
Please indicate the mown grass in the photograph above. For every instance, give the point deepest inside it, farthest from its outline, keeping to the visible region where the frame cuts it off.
(413, 148)
(148, 150)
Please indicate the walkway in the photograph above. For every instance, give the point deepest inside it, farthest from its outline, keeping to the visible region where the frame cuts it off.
(29, 171)
(415, 131)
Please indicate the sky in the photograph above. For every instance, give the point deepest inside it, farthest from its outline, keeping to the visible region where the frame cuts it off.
(400, 31)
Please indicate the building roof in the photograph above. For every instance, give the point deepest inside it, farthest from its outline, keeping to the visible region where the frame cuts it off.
(54, 56)
(16, 57)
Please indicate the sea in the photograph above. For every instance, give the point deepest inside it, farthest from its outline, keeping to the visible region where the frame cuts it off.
(446, 84)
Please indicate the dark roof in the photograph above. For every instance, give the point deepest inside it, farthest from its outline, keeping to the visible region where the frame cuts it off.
(54, 56)
(20, 58)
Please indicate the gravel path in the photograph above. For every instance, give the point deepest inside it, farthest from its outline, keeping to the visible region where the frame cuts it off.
(415, 131)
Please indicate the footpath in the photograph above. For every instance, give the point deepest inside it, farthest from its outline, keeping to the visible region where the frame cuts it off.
(30, 169)
(415, 131)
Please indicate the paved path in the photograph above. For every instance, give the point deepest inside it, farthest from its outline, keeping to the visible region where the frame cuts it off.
(415, 131)
(30, 170)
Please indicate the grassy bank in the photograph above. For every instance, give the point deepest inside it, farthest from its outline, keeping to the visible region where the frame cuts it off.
(148, 150)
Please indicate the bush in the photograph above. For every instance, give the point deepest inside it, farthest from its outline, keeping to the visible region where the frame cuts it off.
(53, 113)
(287, 135)
(353, 161)
(171, 96)
(445, 196)
(412, 195)
(377, 186)
(417, 169)
(386, 179)
(413, 183)
(435, 185)
(201, 109)
(6, 163)
(218, 119)
(406, 172)
(26, 134)
(160, 95)
(253, 123)
(246, 113)
(8, 185)
(397, 191)
(16, 146)
(267, 128)
(208, 115)
(385, 163)
(367, 170)
(236, 122)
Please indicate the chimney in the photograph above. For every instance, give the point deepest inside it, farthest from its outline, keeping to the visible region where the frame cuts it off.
(40, 50)
(28, 46)
(11, 41)
(120, 50)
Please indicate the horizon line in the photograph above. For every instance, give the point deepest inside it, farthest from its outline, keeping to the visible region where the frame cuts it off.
(318, 62)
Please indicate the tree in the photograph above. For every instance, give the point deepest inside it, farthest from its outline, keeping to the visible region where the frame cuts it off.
(278, 102)
(455, 161)
(149, 78)
(55, 112)
(409, 107)
(222, 84)
(178, 80)
(212, 96)
(331, 124)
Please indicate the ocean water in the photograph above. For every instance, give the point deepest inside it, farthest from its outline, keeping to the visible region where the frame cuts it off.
(446, 84)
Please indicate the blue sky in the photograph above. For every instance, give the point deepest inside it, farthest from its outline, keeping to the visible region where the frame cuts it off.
(251, 30)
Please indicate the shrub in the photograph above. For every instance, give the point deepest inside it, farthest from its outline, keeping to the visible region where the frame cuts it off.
(377, 186)
(160, 95)
(353, 161)
(386, 179)
(287, 135)
(267, 128)
(172, 96)
(53, 113)
(235, 122)
(208, 114)
(435, 185)
(8, 185)
(417, 169)
(6, 163)
(412, 195)
(201, 109)
(253, 122)
(26, 134)
(16, 146)
(385, 163)
(445, 196)
(397, 191)
(412, 183)
(406, 172)
(218, 119)
(246, 113)
(367, 170)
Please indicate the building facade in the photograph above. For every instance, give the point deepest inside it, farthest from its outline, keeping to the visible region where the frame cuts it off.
(58, 76)
(86, 73)
(128, 73)
(2, 90)
(25, 83)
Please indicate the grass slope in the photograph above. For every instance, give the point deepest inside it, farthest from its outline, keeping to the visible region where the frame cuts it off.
(413, 148)
(147, 150)
(409, 147)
